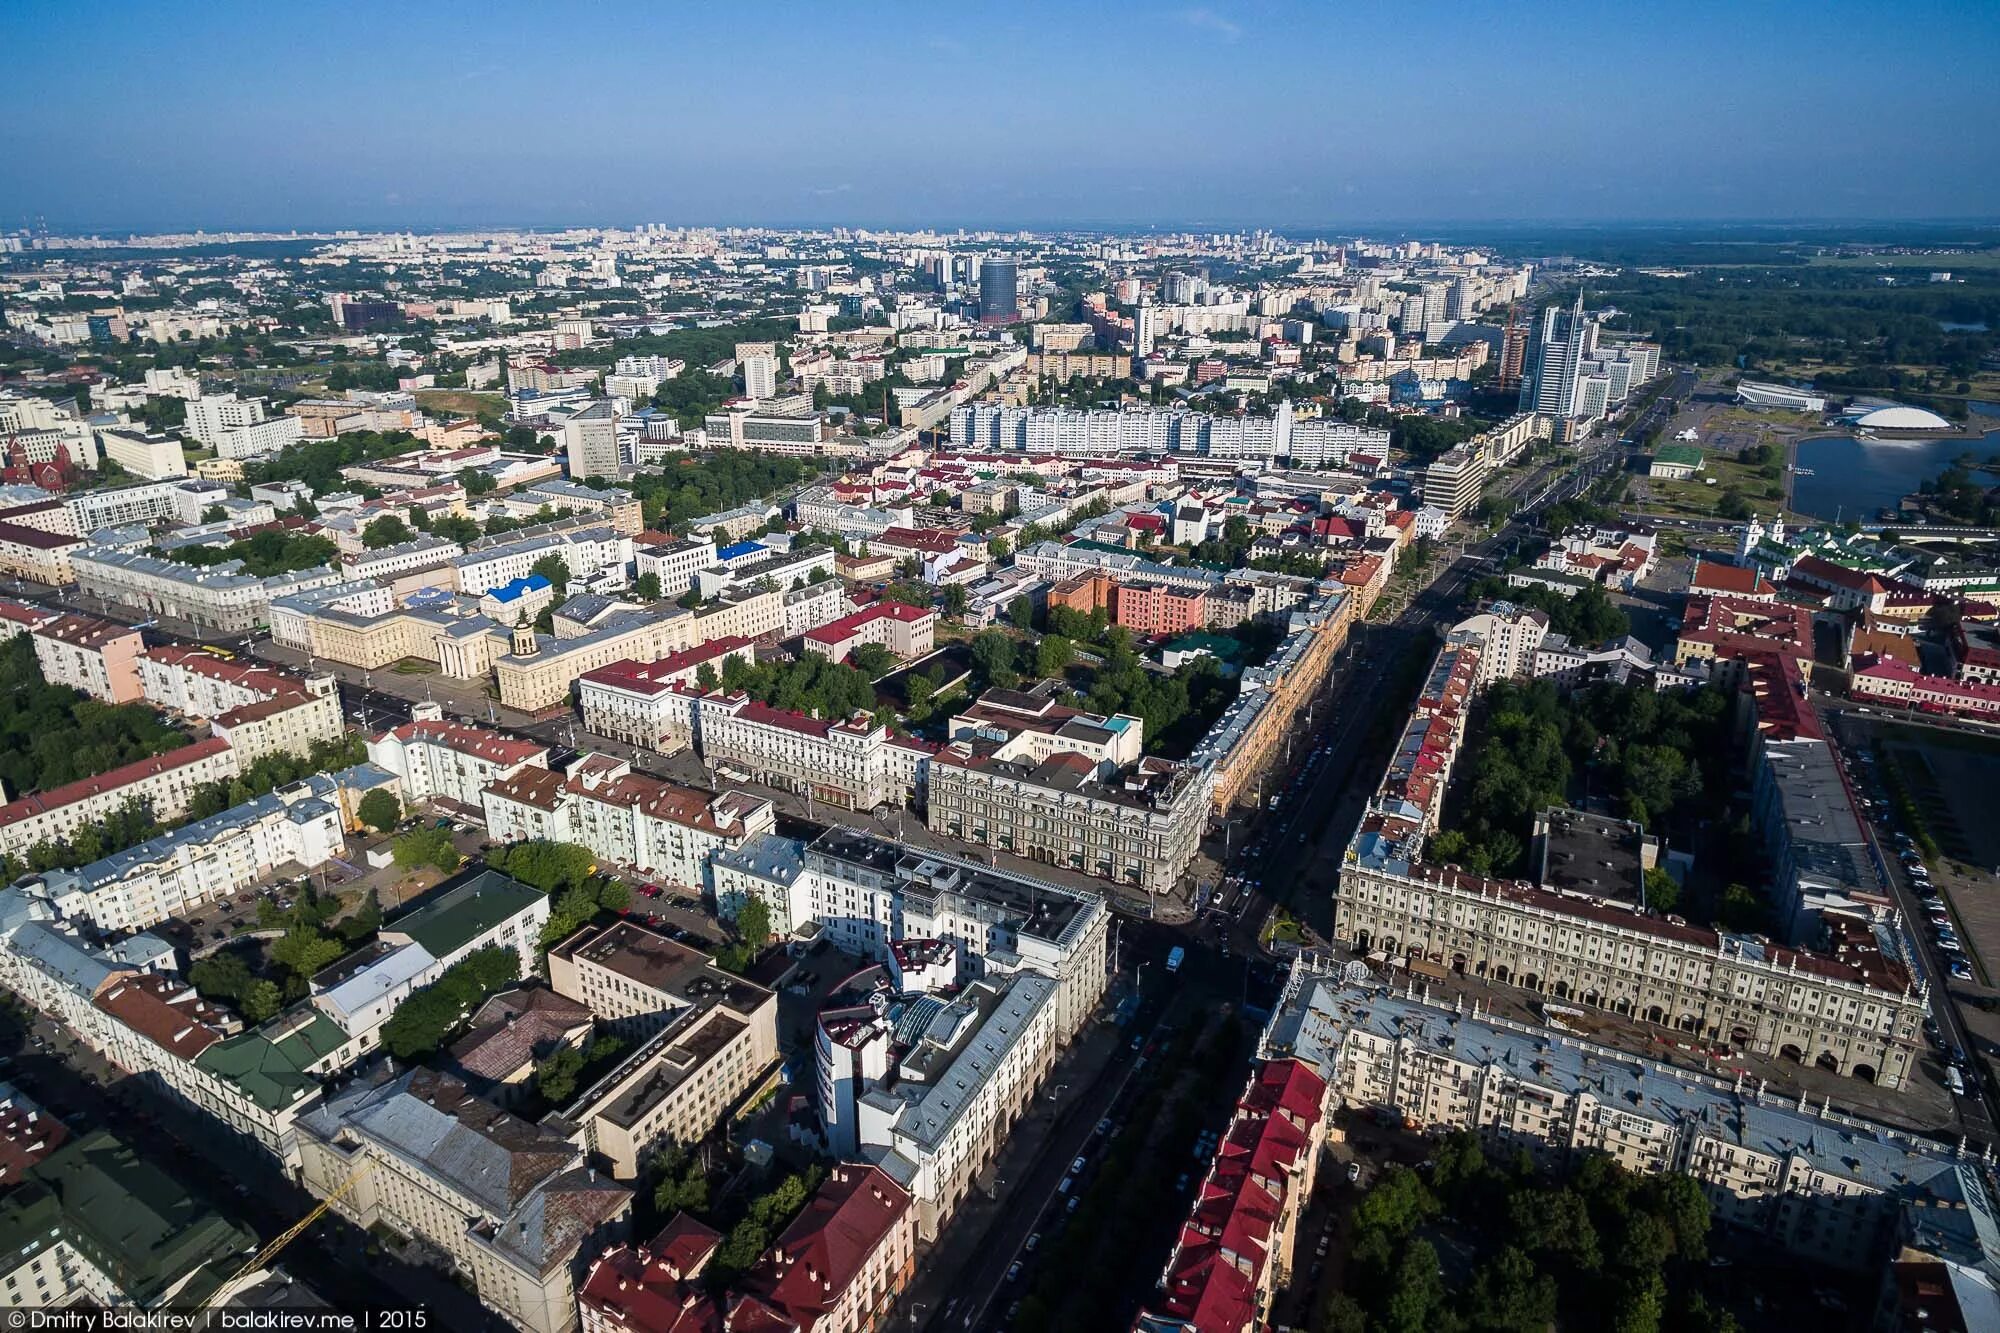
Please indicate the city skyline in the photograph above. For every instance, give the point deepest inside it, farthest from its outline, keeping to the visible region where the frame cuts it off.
(229, 118)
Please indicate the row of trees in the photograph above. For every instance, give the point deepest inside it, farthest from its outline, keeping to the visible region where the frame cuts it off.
(52, 734)
(1602, 1249)
(424, 1022)
(272, 551)
(318, 462)
(1589, 617)
(688, 488)
(277, 769)
(1661, 759)
(566, 872)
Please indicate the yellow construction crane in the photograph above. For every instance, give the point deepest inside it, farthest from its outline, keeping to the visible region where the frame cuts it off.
(263, 1257)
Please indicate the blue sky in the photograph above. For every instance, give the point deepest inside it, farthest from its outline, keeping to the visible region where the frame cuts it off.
(1330, 114)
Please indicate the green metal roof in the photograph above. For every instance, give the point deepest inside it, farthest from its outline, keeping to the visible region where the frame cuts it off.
(128, 1217)
(272, 1065)
(452, 920)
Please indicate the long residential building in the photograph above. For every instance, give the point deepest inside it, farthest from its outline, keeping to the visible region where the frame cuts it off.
(219, 598)
(586, 552)
(1819, 1185)
(301, 825)
(651, 704)
(1102, 433)
(165, 783)
(984, 978)
(655, 827)
(850, 763)
(258, 709)
(1589, 939)
(1032, 778)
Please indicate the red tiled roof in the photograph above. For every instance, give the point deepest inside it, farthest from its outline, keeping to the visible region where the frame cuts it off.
(18, 535)
(828, 1245)
(1215, 1272)
(123, 776)
(654, 678)
(1710, 576)
(836, 630)
(26, 1136)
(165, 1012)
(475, 741)
(649, 1288)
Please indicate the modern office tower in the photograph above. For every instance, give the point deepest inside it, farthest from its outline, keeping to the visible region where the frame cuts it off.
(999, 291)
(1567, 338)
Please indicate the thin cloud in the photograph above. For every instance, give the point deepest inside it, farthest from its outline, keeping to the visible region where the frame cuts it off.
(823, 190)
(950, 46)
(1210, 21)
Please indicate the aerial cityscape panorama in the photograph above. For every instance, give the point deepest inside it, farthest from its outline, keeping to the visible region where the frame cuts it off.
(1245, 668)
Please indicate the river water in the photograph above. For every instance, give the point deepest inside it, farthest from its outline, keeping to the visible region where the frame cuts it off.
(1853, 479)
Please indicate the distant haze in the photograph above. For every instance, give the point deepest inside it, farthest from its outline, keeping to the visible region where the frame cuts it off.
(1310, 113)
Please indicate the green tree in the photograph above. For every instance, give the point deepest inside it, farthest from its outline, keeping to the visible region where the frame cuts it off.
(303, 951)
(993, 657)
(955, 600)
(647, 587)
(753, 921)
(1054, 655)
(261, 1001)
(215, 514)
(555, 1077)
(553, 568)
(427, 847)
(388, 530)
(1021, 613)
(380, 810)
(477, 482)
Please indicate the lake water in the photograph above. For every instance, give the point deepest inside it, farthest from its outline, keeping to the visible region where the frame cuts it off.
(1852, 479)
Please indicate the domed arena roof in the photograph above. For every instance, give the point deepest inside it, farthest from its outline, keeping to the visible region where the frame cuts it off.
(1901, 418)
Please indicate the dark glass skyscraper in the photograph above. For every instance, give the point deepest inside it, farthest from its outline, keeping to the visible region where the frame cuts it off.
(999, 291)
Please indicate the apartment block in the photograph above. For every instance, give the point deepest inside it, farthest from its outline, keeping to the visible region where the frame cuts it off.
(850, 764)
(450, 761)
(906, 631)
(165, 782)
(99, 657)
(1589, 940)
(1820, 1185)
(628, 819)
(704, 1038)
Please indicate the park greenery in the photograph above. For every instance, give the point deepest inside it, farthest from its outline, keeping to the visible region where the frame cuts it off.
(1590, 617)
(1845, 328)
(1599, 1248)
(813, 684)
(1958, 495)
(568, 873)
(269, 772)
(264, 554)
(748, 1224)
(52, 734)
(427, 847)
(388, 530)
(428, 1019)
(1662, 759)
(318, 462)
(688, 488)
